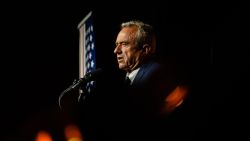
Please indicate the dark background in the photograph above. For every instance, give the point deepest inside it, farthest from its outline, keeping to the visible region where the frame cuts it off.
(39, 59)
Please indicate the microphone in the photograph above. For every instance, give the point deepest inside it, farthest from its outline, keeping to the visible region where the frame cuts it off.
(81, 81)
(87, 77)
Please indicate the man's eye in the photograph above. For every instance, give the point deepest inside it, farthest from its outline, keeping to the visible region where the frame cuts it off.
(124, 43)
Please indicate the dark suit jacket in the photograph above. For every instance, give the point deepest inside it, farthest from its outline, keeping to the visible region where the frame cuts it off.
(134, 112)
(149, 89)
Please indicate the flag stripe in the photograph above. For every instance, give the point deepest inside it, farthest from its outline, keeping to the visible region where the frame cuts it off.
(81, 52)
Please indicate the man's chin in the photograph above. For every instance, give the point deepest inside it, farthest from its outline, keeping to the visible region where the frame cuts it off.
(122, 67)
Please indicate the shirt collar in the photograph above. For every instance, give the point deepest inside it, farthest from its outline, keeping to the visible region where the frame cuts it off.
(132, 74)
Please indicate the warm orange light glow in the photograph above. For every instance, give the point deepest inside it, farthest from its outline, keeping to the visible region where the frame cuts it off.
(175, 98)
(72, 133)
(43, 136)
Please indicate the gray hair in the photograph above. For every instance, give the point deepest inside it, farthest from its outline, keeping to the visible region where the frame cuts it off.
(144, 35)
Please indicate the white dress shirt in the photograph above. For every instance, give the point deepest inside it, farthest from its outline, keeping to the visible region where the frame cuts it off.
(132, 75)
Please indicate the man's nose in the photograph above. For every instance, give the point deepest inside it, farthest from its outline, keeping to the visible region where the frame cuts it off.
(117, 49)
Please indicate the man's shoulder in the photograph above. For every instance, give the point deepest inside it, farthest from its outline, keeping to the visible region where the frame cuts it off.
(155, 72)
(152, 65)
(153, 68)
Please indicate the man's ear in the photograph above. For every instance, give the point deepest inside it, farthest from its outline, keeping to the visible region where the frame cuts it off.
(146, 49)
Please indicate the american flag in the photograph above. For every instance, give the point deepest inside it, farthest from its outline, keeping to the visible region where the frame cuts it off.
(87, 55)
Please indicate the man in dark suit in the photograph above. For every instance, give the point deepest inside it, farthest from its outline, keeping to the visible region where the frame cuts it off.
(151, 82)
(154, 91)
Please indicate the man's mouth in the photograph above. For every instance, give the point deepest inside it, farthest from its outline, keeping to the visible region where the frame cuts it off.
(119, 59)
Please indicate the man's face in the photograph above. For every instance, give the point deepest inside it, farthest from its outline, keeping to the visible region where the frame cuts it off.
(128, 55)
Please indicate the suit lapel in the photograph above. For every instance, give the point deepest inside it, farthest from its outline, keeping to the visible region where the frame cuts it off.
(141, 72)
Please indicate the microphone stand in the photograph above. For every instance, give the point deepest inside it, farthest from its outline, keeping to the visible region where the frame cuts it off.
(75, 85)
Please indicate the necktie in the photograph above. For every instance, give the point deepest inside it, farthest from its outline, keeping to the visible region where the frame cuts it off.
(127, 82)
